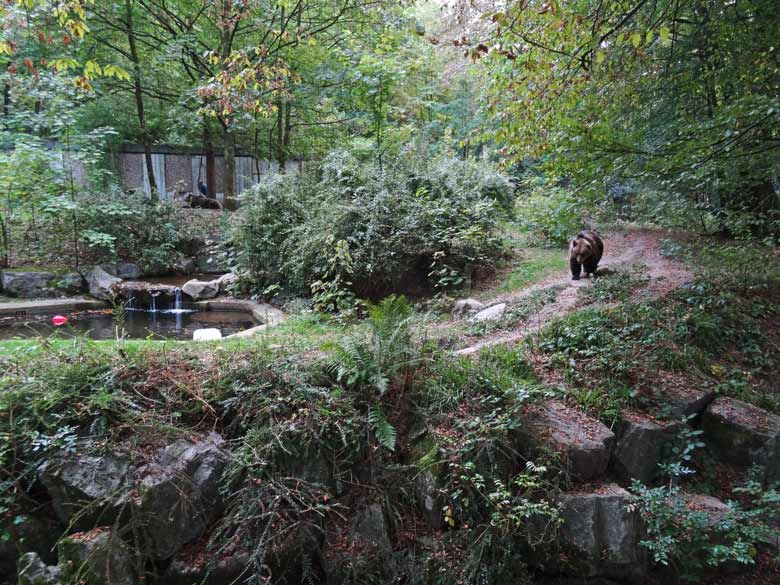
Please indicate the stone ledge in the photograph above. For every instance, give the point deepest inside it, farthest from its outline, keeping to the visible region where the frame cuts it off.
(262, 312)
(45, 306)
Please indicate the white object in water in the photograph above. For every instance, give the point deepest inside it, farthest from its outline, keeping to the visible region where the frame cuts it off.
(206, 334)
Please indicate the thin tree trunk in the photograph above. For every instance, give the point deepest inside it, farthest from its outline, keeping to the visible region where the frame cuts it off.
(139, 100)
(228, 187)
(287, 131)
(6, 98)
(281, 155)
(211, 178)
(6, 244)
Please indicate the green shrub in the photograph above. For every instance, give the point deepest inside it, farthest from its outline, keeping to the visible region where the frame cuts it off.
(115, 225)
(551, 213)
(372, 363)
(373, 230)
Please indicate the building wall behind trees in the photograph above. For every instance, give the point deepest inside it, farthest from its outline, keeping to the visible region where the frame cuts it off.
(175, 170)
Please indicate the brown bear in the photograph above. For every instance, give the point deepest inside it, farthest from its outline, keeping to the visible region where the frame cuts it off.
(585, 251)
(202, 201)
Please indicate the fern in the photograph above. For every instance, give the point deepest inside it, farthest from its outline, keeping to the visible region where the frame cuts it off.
(359, 362)
(385, 432)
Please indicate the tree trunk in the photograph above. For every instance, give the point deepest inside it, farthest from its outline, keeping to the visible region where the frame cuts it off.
(230, 165)
(6, 244)
(287, 131)
(139, 100)
(211, 178)
(6, 98)
(281, 154)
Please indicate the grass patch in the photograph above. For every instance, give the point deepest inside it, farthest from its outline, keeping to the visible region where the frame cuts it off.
(613, 286)
(535, 265)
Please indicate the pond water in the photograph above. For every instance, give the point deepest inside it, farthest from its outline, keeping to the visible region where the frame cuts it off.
(172, 324)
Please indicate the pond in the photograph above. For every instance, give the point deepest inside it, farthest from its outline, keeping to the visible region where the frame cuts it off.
(176, 324)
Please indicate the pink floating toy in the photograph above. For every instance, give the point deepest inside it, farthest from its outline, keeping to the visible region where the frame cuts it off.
(59, 320)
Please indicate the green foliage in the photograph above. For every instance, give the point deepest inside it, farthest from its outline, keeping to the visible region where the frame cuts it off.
(534, 265)
(551, 213)
(114, 225)
(654, 97)
(332, 293)
(691, 539)
(499, 370)
(681, 455)
(384, 432)
(371, 365)
(515, 508)
(614, 286)
(26, 178)
(392, 228)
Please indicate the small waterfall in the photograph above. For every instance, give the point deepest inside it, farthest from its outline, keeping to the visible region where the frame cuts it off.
(178, 310)
(154, 296)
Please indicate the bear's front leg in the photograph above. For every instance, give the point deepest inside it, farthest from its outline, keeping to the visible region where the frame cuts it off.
(576, 268)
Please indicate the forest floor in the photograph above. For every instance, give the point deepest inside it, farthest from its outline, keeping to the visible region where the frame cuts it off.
(633, 254)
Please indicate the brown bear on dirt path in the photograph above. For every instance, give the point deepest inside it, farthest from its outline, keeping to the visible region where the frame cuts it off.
(585, 251)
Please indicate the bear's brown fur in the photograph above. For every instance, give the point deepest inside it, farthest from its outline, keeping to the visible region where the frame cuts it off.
(585, 251)
(202, 201)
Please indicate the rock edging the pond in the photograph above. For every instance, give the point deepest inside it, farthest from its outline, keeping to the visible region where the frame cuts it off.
(36, 284)
(261, 312)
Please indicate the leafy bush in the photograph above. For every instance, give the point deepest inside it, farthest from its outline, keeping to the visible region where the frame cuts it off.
(552, 213)
(116, 225)
(685, 537)
(372, 230)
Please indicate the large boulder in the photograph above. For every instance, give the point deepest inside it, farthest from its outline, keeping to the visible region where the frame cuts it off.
(86, 488)
(199, 290)
(123, 270)
(490, 314)
(178, 495)
(668, 395)
(360, 552)
(641, 445)
(27, 533)
(32, 570)
(185, 265)
(70, 283)
(740, 433)
(96, 557)
(101, 284)
(194, 564)
(584, 443)
(466, 307)
(226, 281)
(212, 258)
(599, 536)
(27, 284)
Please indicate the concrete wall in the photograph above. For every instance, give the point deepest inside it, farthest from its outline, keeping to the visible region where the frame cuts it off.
(183, 168)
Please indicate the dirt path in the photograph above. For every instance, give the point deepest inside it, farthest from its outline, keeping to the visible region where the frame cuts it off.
(621, 249)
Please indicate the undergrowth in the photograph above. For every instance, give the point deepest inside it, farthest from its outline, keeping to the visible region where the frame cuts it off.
(611, 356)
(517, 312)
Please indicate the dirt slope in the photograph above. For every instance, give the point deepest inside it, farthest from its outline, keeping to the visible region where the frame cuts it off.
(639, 248)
